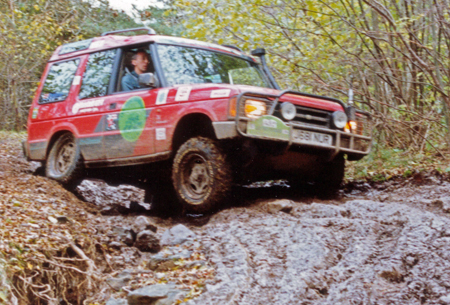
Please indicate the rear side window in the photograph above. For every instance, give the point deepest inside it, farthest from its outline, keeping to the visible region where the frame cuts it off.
(58, 82)
(97, 75)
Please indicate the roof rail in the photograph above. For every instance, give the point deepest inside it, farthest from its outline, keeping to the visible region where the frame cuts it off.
(150, 31)
(232, 47)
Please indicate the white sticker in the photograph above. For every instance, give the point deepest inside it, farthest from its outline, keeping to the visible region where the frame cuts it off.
(160, 133)
(183, 94)
(87, 104)
(76, 80)
(162, 96)
(220, 93)
(96, 44)
(269, 123)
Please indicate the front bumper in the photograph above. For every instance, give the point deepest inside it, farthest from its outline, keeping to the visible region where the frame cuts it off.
(355, 144)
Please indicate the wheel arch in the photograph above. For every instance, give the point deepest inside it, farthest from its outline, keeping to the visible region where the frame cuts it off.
(192, 125)
(55, 136)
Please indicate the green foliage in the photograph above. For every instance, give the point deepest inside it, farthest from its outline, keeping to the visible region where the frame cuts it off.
(386, 163)
(390, 52)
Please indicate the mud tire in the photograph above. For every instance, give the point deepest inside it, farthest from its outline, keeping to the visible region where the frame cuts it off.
(64, 163)
(201, 175)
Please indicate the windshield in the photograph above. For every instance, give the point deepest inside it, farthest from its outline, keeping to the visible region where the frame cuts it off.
(183, 65)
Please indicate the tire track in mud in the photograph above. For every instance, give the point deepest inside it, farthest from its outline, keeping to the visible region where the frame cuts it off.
(357, 252)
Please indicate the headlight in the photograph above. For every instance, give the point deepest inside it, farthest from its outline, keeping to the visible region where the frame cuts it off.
(351, 127)
(339, 119)
(288, 111)
(255, 109)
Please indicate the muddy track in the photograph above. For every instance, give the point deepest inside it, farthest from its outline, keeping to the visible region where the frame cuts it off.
(388, 246)
(383, 243)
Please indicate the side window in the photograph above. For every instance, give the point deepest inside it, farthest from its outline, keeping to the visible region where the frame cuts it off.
(97, 75)
(59, 79)
(134, 62)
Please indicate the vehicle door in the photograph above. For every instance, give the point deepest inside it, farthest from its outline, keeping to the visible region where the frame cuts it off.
(91, 106)
(129, 132)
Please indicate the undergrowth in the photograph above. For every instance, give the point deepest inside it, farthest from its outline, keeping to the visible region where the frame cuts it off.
(385, 163)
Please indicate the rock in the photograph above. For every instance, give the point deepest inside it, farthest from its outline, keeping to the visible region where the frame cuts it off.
(109, 211)
(125, 235)
(120, 281)
(101, 194)
(159, 294)
(445, 299)
(62, 219)
(143, 223)
(165, 266)
(115, 245)
(146, 241)
(176, 235)
(172, 297)
(282, 205)
(113, 301)
(149, 294)
(195, 264)
(446, 204)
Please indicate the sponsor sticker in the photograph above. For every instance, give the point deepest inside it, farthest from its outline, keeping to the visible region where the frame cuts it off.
(35, 113)
(87, 105)
(183, 93)
(161, 134)
(220, 93)
(161, 99)
(76, 80)
(270, 127)
(132, 118)
(96, 44)
(111, 121)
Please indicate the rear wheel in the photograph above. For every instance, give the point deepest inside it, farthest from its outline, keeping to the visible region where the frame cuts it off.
(64, 162)
(201, 174)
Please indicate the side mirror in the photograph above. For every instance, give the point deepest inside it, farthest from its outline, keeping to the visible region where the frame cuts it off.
(148, 80)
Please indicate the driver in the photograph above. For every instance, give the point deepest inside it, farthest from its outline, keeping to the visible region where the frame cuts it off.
(140, 62)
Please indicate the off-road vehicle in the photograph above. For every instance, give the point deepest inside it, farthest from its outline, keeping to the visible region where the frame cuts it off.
(214, 113)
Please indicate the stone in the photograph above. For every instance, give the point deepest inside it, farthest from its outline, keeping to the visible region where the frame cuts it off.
(165, 266)
(282, 205)
(120, 281)
(172, 297)
(101, 194)
(125, 235)
(115, 245)
(446, 204)
(143, 223)
(176, 235)
(146, 241)
(445, 299)
(149, 294)
(113, 301)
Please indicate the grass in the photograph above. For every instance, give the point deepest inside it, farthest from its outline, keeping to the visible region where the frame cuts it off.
(385, 163)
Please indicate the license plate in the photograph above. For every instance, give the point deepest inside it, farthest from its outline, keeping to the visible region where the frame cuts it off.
(309, 137)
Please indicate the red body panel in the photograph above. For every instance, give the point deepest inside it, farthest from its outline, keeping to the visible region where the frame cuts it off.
(96, 122)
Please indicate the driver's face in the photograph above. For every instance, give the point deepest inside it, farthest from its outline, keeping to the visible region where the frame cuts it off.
(140, 63)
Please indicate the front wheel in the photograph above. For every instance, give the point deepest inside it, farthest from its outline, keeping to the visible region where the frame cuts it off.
(201, 174)
(64, 160)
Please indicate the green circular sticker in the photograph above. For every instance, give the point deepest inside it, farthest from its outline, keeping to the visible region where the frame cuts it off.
(132, 119)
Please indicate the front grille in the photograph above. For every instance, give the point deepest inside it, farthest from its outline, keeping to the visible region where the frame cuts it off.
(308, 116)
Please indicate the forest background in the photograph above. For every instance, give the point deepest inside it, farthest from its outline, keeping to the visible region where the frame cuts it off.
(394, 54)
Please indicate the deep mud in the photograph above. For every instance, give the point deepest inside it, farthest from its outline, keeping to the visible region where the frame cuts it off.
(386, 246)
(386, 243)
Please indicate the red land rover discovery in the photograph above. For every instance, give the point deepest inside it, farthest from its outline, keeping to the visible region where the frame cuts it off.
(214, 112)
